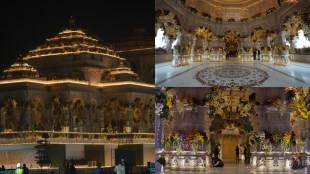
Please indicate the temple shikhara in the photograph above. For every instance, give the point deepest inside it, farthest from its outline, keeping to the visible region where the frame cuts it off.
(79, 95)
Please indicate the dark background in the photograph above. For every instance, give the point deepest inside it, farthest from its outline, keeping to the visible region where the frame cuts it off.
(25, 25)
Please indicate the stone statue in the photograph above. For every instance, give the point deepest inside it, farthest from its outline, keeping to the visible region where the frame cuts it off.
(176, 54)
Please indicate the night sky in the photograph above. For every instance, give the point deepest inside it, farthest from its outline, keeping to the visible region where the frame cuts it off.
(25, 25)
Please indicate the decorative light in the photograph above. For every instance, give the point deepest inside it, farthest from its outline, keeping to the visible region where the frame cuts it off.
(64, 43)
(54, 82)
(292, 1)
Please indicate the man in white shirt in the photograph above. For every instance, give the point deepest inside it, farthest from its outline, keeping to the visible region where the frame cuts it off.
(120, 168)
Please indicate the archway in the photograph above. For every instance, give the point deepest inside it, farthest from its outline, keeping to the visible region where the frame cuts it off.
(231, 43)
(230, 110)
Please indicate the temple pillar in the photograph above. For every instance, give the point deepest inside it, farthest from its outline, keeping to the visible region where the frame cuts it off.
(158, 138)
(204, 48)
(193, 55)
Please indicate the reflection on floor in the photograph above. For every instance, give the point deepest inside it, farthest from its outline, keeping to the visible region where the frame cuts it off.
(231, 73)
(231, 167)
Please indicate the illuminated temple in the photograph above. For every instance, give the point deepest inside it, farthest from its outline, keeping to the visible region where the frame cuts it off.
(83, 95)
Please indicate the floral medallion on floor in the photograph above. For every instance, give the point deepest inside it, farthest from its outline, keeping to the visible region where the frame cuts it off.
(231, 75)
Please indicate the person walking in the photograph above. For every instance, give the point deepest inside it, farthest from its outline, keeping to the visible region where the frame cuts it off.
(19, 169)
(2, 168)
(237, 153)
(99, 170)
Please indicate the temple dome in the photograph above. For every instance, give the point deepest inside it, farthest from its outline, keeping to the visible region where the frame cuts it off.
(20, 69)
(121, 73)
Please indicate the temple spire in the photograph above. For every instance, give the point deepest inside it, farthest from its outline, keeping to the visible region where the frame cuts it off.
(72, 22)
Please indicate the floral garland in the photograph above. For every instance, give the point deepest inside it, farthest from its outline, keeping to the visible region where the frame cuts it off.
(205, 34)
(294, 23)
(258, 34)
(168, 21)
(230, 110)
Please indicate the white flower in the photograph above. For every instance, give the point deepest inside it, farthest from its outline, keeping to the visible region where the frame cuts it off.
(158, 108)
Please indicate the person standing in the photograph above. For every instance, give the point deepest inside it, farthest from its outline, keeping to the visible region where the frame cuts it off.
(19, 169)
(99, 170)
(2, 168)
(72, 169)
(25, 169)
(258, 53)
(245, 154)
(120, 168)
(254, 54)
(216, 151)
(237, 153)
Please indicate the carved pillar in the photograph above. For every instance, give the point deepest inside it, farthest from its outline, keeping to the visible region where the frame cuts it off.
(193, 55)
(158, 138)
(293, 44)
(205, 52)
(168, 44)
(176, 54)
(27, 113)
(283, 38)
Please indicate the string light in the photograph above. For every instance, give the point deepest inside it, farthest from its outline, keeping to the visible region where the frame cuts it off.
(70, 42)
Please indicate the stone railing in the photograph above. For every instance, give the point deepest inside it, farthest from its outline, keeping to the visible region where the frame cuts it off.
(76, 137)
(187, 160)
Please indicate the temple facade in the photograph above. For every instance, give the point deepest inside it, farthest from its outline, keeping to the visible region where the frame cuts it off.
(82, 94)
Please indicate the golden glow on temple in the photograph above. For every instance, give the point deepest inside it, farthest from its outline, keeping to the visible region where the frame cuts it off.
(70, 42)
(53, 82)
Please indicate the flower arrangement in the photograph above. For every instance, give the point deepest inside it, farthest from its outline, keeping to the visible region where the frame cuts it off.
(161, 107)
(198, 50)
(300, 140)
(185, 140)
(183, 49)
(275, 140)
(258, 34)
(272, 101)
(288, 137)
(300, 101)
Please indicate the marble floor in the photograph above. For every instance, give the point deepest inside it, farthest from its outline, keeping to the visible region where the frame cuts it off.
(234, 168)
(232, 73)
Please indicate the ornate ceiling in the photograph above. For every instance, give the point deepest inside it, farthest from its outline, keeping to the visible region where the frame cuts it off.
(232, 9)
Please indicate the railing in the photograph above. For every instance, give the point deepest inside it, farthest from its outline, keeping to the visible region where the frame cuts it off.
(76, 137)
